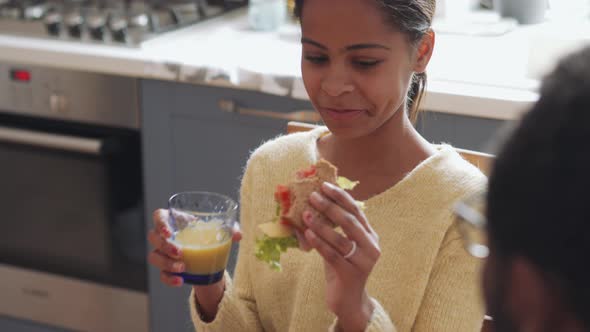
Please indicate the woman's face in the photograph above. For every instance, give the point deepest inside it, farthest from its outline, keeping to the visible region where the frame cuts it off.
(355, 67)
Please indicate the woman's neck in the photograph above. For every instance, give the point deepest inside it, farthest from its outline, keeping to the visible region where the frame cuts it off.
(378, 160)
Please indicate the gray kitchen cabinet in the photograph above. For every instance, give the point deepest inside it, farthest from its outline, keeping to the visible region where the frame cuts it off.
(190, 144)
(461, 131)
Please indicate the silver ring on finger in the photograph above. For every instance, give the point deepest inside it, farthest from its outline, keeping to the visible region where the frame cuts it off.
(352, 251)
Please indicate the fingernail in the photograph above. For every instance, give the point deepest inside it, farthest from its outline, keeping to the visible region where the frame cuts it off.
(178, 267)
(307, 217)
(176, 251)
(316, 197)
(178, 281)
(236, 237)
(328, 185)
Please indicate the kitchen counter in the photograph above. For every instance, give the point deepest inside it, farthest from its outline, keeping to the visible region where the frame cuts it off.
(489, 77)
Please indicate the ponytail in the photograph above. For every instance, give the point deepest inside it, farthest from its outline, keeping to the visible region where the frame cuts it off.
(415, 95)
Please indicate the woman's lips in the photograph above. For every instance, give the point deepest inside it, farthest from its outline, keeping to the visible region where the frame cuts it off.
(342, 114)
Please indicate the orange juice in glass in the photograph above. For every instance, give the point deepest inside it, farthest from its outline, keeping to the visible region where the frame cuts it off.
(202, 225)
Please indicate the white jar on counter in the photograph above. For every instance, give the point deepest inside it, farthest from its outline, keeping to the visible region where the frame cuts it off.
(267, 15)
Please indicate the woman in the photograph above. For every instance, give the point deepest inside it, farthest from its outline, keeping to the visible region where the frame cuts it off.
(363, 65)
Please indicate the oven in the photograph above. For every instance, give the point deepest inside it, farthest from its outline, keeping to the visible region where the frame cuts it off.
(72, 245)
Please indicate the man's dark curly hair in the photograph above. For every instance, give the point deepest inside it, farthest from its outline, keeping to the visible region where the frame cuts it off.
(538, 199)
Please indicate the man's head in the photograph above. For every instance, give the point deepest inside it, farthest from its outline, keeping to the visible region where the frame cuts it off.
(537, 277)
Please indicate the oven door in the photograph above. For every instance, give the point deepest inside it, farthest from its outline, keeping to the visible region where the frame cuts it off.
(71, 219)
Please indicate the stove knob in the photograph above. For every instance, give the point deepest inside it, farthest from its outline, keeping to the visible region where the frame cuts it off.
(118, 28)
(58, 103)
(96, 26)
(97, 33)
(53, 22)
(74, 22)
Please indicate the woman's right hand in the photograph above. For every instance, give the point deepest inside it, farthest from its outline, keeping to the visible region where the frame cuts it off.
(166, 256)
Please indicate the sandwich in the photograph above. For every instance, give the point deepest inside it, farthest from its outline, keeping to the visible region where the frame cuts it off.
(292, 200)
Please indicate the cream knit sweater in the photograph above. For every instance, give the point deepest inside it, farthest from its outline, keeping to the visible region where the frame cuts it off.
(424, 280)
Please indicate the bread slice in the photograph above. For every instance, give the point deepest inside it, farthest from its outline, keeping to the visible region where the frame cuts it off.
(326, 172)
(302, 187)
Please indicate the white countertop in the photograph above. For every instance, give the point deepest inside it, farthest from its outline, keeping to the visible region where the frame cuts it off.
(490, 77)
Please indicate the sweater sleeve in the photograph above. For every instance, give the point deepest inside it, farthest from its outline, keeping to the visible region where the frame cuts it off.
(237, 310)
(452, 300)
(379, 322)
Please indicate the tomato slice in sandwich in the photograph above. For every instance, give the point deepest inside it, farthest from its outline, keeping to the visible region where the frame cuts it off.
(307, 173)
(283, 197)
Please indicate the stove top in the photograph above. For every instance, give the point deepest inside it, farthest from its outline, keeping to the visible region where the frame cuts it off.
(126, 23)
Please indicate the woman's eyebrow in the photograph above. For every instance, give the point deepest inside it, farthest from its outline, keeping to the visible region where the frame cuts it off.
(368, 45)
(305, 40)
(312, 42)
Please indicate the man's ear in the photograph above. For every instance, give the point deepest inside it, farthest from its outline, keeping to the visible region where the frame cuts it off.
(424, 52)
(532, 300)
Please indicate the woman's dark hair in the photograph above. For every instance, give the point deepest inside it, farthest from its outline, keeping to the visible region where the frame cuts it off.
(538, 198)
(412, 17)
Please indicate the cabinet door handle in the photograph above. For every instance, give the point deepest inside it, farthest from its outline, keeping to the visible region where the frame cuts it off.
(230, 106)
(50, 141)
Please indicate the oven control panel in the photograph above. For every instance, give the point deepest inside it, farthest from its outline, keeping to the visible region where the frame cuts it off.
(69, 95)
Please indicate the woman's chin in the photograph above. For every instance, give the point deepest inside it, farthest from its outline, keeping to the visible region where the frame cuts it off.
(345, 132)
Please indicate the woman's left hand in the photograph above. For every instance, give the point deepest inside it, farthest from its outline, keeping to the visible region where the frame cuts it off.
(349, 258)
